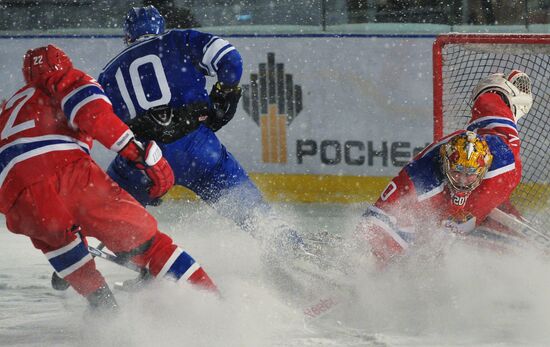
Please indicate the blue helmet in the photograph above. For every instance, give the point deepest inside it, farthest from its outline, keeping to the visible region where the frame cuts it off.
(142, 21)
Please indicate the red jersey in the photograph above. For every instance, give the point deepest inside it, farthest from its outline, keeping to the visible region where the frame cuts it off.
(44, 130)
(419, 197)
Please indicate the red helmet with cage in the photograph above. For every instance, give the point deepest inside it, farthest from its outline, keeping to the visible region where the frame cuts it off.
(41, 63)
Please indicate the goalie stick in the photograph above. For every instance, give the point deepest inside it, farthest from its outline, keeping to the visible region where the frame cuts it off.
(539, 238)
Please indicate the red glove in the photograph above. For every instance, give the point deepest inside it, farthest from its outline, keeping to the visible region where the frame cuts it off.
(151, 161)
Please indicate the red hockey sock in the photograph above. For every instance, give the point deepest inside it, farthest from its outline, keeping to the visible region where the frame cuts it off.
(86, 279)
(165, 259)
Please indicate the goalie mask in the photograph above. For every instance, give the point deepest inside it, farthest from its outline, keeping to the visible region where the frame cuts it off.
(41, 63)
(465, 160)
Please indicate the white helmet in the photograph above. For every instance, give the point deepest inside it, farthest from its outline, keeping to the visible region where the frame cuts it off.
(515, 89)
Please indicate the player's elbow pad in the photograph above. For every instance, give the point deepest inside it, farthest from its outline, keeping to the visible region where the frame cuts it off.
(230, 68)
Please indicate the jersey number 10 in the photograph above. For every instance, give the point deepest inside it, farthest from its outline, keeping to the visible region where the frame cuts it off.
(138, 87)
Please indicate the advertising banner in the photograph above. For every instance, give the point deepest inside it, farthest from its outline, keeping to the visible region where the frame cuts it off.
(345, 111)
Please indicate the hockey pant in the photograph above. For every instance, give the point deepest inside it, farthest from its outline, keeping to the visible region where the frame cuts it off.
(82, 195)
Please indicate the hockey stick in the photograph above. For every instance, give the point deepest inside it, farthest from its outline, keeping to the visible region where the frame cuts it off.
(332, 290)
(59, 283)
(540, 239)
(96, 252)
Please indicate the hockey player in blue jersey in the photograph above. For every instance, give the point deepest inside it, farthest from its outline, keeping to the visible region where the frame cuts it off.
(157, 85)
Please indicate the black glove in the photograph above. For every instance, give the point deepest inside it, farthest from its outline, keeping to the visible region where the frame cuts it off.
(166, 124)
(224, 105)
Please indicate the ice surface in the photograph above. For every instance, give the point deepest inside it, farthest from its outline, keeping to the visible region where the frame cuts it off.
(456, 296)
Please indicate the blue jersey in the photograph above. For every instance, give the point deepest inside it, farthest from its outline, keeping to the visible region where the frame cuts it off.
(171, 69)
(168, 69)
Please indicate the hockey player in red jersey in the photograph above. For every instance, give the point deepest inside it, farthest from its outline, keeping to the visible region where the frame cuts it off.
(53, 192)
(457, 181)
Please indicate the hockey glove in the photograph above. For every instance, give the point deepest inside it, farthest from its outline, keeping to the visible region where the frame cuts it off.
(224, 105)
(150, 160)
(166, 124)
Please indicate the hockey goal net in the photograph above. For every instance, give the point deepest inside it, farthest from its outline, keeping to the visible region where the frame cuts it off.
(460, 61)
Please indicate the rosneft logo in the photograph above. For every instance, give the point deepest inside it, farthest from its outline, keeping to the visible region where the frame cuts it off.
(272, 100)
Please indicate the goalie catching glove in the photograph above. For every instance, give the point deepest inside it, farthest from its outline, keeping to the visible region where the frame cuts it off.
(224, 105)
(150, 160)
(514, 89)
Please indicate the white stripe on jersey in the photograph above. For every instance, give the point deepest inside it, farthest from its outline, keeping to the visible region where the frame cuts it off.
(500, 171)
(431, 193)
(498, 125)
(82, 103)
(122, 141)
(482, 119)
(71, 94)
(512, 138)
(212, 39)
(211, 52)
(37, 152)
(44, 138)
(221, 56)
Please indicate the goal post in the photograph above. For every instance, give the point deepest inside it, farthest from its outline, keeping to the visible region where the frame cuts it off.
(460, 61)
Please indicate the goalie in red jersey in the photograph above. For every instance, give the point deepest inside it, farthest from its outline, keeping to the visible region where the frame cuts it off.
(456, 182)
(53, 192)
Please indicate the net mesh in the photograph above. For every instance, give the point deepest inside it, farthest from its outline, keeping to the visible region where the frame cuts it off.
(463, 66)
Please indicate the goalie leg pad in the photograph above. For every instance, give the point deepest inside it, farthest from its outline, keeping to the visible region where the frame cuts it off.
(384, 243)
(384, 240)
(514, 89)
